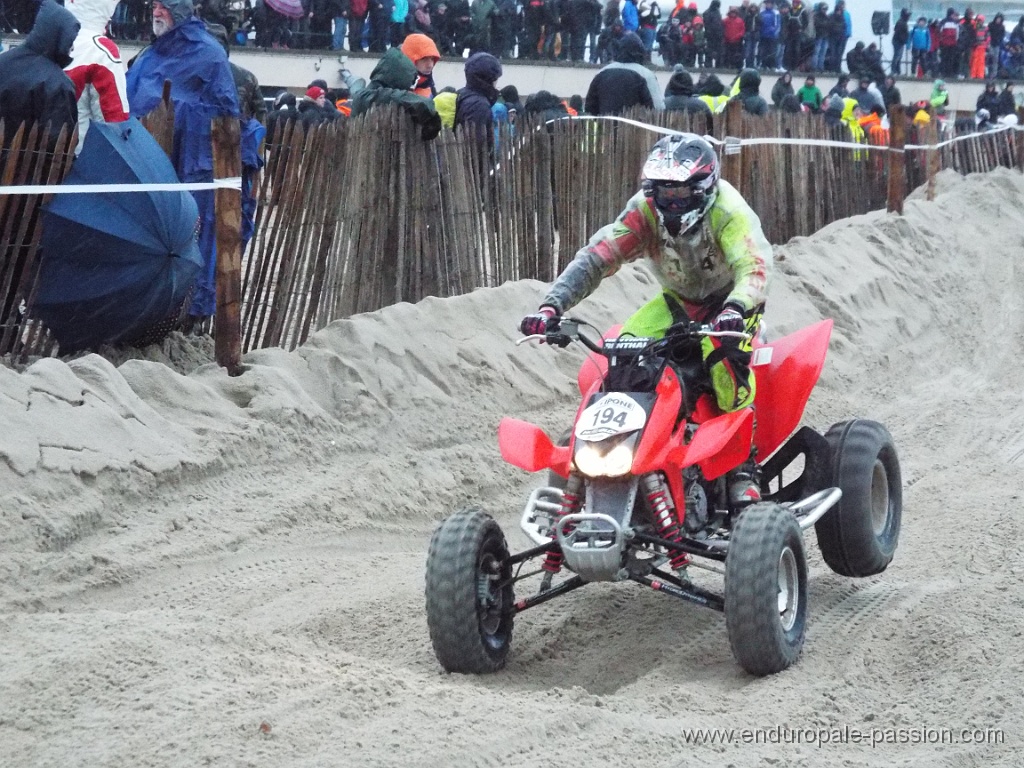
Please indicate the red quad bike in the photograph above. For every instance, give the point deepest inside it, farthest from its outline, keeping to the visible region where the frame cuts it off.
(640, 483)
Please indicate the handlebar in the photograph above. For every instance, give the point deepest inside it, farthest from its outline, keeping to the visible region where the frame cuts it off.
(565, 330)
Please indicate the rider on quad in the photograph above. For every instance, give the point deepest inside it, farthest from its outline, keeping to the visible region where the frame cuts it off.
(711, 256)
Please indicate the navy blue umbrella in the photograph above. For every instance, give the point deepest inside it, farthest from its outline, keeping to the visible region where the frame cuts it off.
(115, 264)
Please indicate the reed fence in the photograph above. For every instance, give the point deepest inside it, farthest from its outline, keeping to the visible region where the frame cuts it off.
(29, 156)
(357, 216)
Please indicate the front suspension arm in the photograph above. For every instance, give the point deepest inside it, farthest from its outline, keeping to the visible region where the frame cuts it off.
(689, 593)
(689, 546)
(542, 597)
(526, 554)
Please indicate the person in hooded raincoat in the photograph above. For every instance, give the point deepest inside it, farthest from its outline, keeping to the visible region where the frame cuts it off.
(547, 105)
(473, 106)
(33, 86)
(390, 83)
(444, 102)
(867, 97)
(747, 89)
(844, 112)
(783, 87)
(34, 90)
(96, 70)
(624, 83)
(939, 98)
(711, 91)
(202, 88)
(679, 94)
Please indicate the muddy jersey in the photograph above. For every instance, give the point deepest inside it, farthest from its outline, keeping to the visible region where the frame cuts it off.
(727, 256)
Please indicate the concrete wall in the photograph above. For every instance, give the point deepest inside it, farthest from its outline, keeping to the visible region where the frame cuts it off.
(293, 69)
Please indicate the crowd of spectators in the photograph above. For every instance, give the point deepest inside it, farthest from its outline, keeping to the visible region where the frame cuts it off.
(782, 35)
(855, 107)
(958, 46)
(404, 74)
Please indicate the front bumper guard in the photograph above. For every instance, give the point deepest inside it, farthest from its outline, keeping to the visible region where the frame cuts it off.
(592, 545)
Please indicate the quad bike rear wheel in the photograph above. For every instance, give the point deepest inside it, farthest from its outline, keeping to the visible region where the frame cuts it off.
(858, 536)
(469, 593)
(766, 589)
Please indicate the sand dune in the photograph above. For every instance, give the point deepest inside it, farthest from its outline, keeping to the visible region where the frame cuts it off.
(184, 559)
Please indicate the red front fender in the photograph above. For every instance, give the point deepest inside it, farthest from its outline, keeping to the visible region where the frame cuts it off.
(525, 445)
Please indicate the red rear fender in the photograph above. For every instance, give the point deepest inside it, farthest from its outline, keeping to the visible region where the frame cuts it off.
(787, 370)
(525, 445)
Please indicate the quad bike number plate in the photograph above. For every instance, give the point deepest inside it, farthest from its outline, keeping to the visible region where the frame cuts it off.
(614, 414)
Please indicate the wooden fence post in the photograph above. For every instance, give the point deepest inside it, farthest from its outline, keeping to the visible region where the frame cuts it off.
(934, 159)
(1020, 139)
(227, 163)
(897, 159)
(160, 122)
(732, 163)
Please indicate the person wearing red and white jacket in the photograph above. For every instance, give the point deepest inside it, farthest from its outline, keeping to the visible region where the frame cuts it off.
(96, 69)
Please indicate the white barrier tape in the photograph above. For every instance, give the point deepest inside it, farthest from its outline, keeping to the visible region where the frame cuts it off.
(79, 189)
(814, 143)
(626, 120)
(734, 145)
(946, 143)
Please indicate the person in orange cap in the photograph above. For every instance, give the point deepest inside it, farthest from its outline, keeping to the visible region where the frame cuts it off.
(423, 53)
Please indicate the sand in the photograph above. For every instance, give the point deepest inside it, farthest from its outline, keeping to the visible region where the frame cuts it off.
(199, 570)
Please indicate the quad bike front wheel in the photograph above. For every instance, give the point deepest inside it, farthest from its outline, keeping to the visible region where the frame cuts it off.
(766, 589)
(858, 536)
(469, 593)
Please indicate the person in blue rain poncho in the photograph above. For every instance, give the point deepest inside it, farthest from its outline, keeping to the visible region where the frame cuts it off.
(202, 88)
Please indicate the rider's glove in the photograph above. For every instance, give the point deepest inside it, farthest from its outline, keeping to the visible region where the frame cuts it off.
(730, 319)
(540, 322)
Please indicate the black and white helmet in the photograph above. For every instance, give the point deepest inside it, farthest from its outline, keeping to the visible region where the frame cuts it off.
(681, 176)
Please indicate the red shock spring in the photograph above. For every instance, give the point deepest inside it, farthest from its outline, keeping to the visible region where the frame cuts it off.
(571, 503)
(665, 517)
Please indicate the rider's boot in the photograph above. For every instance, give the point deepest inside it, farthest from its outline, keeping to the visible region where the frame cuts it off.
(745, 483)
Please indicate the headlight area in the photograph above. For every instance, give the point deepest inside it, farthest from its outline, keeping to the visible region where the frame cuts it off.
(612, 457)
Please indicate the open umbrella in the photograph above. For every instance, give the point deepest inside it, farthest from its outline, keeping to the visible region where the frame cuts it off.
(114, 264)
(290, 8)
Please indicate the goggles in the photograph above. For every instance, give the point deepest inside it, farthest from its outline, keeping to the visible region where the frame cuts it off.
(676, 198)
